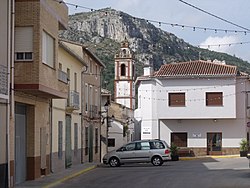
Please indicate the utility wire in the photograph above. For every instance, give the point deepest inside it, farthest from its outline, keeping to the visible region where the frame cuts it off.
(227, 21)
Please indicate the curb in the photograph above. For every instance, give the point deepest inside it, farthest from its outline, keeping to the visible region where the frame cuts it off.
(205, 157)
(69, 177)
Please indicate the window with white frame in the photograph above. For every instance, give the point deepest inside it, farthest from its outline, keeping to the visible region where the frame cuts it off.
(48, 50)
(86, 97)
(23, 43)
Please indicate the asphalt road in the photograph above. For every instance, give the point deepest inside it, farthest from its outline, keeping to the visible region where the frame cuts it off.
(209, 172)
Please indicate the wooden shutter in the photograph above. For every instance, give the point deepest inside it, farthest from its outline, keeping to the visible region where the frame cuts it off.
(176, 99)
(179, 139)
(214, 99)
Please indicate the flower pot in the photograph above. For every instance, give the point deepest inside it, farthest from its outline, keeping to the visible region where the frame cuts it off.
(243, 153)
(175, 157)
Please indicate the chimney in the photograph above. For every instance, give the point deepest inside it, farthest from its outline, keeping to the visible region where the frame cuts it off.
(148, 70)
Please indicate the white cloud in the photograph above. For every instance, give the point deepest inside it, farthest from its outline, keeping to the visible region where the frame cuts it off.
(220, 44)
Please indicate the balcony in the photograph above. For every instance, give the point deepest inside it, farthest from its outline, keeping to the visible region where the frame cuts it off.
(73, 102)
(93, 113)
(3, 80)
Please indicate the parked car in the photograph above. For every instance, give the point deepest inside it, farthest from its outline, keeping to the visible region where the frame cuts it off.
(154, 151)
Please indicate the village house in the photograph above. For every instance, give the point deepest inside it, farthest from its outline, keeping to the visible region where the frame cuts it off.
(66, 113)
(29, 46)
(199, 105)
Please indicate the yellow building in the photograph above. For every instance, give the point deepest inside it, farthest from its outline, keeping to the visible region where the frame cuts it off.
(76, 123)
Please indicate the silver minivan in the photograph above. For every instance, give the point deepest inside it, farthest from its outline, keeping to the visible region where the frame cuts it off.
(155, 151)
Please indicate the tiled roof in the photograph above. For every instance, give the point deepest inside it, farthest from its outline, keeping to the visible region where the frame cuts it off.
(196, 68)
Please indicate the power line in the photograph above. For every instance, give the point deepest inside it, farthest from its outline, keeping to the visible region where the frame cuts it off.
(219, 45)
(160, 23)
(227, 21)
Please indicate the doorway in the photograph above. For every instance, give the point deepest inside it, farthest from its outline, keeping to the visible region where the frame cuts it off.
(214, 143)
(20, 143)
(68, 150)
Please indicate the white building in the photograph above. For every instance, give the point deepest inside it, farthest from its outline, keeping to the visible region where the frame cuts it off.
(199, 105)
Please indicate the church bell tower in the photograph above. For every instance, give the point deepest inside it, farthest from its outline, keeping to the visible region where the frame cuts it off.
(124, 88)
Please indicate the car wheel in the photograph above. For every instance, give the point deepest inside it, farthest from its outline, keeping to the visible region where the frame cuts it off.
(114, 162)
(157, 161)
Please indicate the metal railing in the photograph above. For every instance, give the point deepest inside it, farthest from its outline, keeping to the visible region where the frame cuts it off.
(74, 100)
(3, 80)
(62, 76)
(93, 111)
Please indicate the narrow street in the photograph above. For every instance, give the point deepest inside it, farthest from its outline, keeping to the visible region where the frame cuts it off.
(209, 172)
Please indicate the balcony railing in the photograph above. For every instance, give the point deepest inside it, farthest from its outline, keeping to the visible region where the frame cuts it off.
(93, 111)
(73, 101)
(3, 80)
(62, 76)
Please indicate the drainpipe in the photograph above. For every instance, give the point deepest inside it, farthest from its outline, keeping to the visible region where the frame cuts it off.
(51, 134)
(82, 109)
(100, 114)
(10, 69)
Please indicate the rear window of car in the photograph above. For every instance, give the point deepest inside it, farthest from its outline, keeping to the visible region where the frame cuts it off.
(156, 145)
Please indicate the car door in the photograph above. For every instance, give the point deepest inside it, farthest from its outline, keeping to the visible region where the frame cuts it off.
(127, 153)
(142, 153)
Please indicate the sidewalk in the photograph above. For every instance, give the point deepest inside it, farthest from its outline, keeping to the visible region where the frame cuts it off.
(56, 178)
(209, 156)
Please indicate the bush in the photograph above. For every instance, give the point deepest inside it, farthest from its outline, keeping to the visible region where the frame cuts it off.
(244, 145)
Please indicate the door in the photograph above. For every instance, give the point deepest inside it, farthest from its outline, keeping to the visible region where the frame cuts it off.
(91, 143)
(68, 150)
(127, 153)
(214, 143)
(20, 143)
(143, 152)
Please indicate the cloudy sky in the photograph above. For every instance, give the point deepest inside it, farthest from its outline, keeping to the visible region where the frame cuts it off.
(176, 12)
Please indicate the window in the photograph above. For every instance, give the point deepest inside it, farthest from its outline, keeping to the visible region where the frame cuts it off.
(90, 66)
(179, 139)
(156, 145)
(60, 139)
(75, 81)
(123, 70)
(111, 142)
(96, 71)
(23, 43)
(48, 50)
(214, 99)
(86, 98)
(145, 146)
(176, 99)
(75, 139)
(96, 140)
(130, 147)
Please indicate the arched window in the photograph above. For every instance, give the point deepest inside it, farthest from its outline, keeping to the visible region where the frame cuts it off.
(123, 70)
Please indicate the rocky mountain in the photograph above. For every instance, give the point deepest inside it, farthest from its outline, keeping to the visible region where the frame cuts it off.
(103, 30)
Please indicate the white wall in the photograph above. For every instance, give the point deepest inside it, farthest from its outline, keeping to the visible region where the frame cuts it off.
(116, 132)
(232, 131)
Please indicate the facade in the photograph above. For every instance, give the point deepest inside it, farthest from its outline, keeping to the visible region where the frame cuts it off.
(66, 113)
(121, 126)
(91, 107)
(5, 64)
(199, 105)
(124, 89)
(36, 83)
